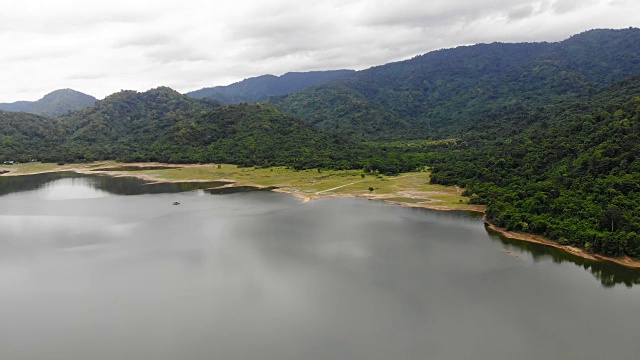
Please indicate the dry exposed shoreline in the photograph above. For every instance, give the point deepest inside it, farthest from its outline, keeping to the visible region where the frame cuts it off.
(625, 261)
(305, 197)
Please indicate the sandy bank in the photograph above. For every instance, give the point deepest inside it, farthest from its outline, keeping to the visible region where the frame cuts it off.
(625, 261)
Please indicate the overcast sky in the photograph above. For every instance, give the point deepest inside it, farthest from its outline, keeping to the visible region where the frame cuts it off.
(100, 47)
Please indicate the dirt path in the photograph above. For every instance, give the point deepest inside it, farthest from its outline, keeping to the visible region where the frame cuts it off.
(338, 187)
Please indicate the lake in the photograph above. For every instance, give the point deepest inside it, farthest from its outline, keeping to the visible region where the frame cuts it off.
(94, 267)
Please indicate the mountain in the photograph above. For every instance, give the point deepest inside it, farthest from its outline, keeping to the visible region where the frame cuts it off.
(164, 125)
(54, 104)
(441, 93)
(259, 88)
(124, 122)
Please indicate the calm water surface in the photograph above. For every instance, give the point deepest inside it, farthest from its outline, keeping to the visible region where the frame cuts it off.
(107, 268)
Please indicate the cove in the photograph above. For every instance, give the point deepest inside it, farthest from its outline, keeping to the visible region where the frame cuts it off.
(95, 267)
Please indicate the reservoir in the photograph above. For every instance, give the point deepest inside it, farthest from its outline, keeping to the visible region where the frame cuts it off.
(95, 267)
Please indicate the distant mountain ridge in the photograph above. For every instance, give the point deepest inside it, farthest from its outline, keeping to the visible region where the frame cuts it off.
(54, 104)
(259, 88)
(442, 92)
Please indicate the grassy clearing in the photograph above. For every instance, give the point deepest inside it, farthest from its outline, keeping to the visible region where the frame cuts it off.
(408, 188)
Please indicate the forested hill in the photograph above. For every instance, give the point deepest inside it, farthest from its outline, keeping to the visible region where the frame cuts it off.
(571, 173)
(260, 88)
(125, 121)
(252, 135)
(54, 104)
(163, 125)
(25, 136)
(437, 94)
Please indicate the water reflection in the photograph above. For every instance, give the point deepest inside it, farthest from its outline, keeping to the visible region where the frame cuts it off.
(12, 184)
(71, 185)
(112, 185)
(609, 274)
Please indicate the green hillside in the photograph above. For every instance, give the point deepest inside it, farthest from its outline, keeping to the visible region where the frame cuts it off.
(26, 136)
(571, 173)
(249, 135)
(443, 92)
(124, 122)
(163, 125)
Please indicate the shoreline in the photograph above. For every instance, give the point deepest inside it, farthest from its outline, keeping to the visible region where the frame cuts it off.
(305, 198)
(537, 239)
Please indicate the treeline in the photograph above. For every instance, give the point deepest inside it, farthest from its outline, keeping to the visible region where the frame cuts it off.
(571, 172)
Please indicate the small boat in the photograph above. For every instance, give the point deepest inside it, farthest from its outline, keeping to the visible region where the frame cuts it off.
(176, 203)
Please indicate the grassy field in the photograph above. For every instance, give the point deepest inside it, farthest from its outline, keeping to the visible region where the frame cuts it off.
(35, 167)
(411, 189)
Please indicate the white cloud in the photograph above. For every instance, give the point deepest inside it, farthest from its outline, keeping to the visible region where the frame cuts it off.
(100, 47)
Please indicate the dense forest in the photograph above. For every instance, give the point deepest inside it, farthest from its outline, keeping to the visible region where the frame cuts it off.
(572, 173)
(546, 135)
(25, 136)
